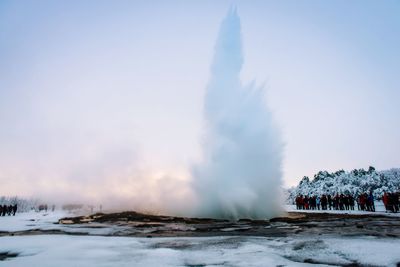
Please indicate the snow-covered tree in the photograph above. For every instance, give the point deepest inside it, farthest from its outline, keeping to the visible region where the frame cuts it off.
(354, 182)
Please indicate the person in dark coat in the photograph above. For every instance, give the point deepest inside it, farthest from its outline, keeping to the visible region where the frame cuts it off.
(4, 210)
(371, 201)
(9, 210)
(397, 201)
(14, 209)
(330, 201)
(345, 200)
(351, 201)
(324, 202)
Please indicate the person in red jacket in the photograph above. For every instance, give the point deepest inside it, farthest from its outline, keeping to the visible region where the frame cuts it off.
(385, 199)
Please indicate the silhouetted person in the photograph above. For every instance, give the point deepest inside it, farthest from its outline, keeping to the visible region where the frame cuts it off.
(358, 202)
(4, 210)
(396, 201)
(14, 209)
(351, 201)
(346, 202)
(306, 202)
(330, 202)
(393, 202)
(336, 201)
(371, 203)
(363, 201)
(9, 210)
(324, 202)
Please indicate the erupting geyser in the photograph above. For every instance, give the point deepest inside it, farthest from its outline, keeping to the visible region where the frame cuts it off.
(240, 176)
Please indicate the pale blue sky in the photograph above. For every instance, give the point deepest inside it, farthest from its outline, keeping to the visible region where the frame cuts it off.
(79, 79)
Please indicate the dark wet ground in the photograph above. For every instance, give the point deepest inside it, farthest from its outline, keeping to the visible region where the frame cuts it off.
(294, 224)
(7, 255)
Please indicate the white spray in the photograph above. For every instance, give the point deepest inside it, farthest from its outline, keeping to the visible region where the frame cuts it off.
(240, 176)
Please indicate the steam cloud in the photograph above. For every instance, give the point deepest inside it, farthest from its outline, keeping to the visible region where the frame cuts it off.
(73, 138)
(240, 176)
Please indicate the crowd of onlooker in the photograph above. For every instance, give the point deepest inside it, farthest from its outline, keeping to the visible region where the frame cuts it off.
(364, 202)
(325, 202)
(8, 210)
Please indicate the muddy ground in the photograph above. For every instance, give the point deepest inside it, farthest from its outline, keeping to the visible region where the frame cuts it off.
(293, 224)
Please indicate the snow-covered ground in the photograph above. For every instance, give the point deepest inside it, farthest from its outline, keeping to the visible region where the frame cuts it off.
(49, 221)
(64, 250)
(31, 220)
(77, 250)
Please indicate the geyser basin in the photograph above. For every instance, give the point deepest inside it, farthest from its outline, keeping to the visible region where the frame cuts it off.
(240, 175)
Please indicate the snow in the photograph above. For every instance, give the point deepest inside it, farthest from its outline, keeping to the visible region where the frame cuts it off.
(48, 221)
(90, 250)
(64, 250)
(341, 251)
(31, 220)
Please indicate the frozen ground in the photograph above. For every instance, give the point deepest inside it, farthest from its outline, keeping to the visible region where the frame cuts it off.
(64, 250)
(30, 220)
(296, 242)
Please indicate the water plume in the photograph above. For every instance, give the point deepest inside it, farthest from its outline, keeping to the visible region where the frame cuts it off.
(240, 173)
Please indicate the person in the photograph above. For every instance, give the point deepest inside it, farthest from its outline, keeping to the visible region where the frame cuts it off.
(301, 202)
(318, 202)
(341, 202)
(393, 202)
(9, 210)
(371, 201)
(396, 201)
(313, 203)
(329, 201)
(351, 201)
(346, 202)
(14, 209)
(362, 201)
(337, 201)
(357, 199)
(298, 202)
(385, 200)
(324, 202)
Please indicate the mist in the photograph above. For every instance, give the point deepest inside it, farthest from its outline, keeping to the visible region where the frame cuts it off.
(103, 103)
(240, 175)
(89, 113)
(84, 127)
